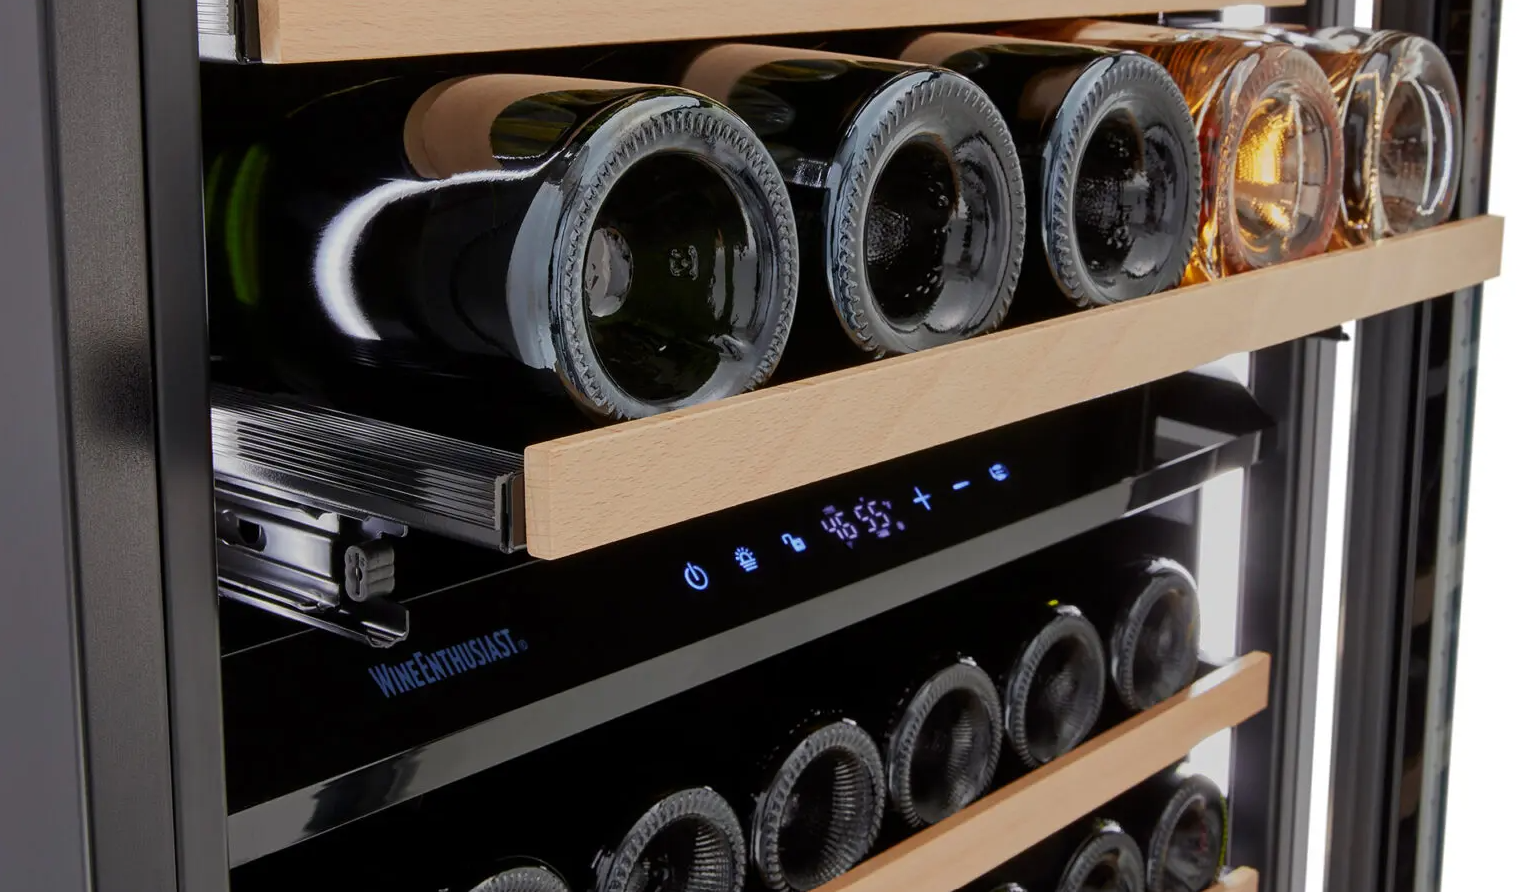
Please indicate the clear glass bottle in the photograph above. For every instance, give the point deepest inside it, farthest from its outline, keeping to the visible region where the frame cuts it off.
(1180, 820)
(1402, 124)
(1110, 163)
(907, 192)
(1268, 133)
(629, 245)
(819, 810)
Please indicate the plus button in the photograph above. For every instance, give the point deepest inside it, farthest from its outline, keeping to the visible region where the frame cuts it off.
(922, 498)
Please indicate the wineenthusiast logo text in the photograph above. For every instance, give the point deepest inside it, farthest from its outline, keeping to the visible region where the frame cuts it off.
(427, 668)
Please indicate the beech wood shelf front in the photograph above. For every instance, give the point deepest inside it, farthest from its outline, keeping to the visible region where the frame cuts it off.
(1242, 879)
(598, 487)
(960, 849)
(331, 30)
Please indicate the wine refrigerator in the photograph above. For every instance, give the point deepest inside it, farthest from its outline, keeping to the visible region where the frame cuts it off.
(291, 351)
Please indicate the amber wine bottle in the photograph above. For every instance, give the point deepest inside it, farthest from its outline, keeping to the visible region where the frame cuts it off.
(907, 192)
(1268, 134)
(629, 245)
(1402, 123)
(1110, 164)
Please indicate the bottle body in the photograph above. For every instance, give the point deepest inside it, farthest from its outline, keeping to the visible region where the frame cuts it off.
(906, 189)
(1147, 613)
(1180, 820)
(687, 841)
(627, 243)
(1091, 855)
(1268, 135)
(523, 875)
(942, 738)
(818, 810)
(1053, 678)
(1402, 120)
(1110, 162)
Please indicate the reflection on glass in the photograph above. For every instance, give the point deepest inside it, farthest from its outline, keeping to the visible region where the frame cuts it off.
(1110, 163)
(632, 244)
(906, 188)
(1268, 134)
(1401, 122)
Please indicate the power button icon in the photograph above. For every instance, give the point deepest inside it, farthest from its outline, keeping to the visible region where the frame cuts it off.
(695, 575)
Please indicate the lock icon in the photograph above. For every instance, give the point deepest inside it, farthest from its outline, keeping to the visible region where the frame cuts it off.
(795, 542)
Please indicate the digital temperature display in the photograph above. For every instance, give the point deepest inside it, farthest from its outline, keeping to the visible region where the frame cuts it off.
(867, 517)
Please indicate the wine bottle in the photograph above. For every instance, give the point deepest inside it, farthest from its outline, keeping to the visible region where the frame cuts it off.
(1180, 820)
(501, 234)
(1110, 164)
(1092, 855)
(525, 875)
(907, 192)
(1402, 123)
(819, 810)
(1055, 681)
(1268, 133)
(687, 841)
(942, 741)
(1147, 612)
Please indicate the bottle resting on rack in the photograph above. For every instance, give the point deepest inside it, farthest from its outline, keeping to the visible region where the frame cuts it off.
(906, 189)
(1268, 134)
(1055, 678)
(1147, 612)
(818, 810)
(687, 841)
(1402, 122)
(1092, 855)
(942, 737)
(1110, 164)
(524, 876)
(631, 245)
(1179, 819)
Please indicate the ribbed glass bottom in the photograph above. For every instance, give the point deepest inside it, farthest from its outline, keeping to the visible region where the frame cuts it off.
(1192, 855)
(688, 855)
(950, 758)
(831, 820)
(907, 233)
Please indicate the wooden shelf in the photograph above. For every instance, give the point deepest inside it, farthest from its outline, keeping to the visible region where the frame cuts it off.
(1242, 879)
(330, 30)
(960, 849)
(605, 485)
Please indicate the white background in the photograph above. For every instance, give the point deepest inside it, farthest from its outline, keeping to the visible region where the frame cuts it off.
(1487, 779)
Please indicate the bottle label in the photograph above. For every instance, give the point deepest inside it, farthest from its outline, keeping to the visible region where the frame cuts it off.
(449, 129)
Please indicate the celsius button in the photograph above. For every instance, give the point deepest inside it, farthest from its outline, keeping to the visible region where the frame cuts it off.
(695, 575)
